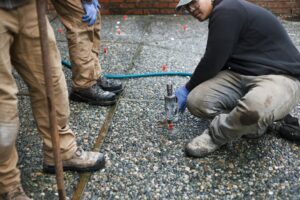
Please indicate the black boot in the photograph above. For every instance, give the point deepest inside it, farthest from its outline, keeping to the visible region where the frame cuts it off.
(93, 95)
(114, 86)
(289, 119)
(288, 128)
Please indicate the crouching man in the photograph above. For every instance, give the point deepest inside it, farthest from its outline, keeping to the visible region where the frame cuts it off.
(248, 77)
(20, 48)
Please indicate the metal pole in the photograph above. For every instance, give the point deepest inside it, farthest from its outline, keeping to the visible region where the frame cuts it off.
(41, 11)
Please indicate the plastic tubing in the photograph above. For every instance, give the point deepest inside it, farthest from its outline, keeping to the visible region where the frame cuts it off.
(127, 76)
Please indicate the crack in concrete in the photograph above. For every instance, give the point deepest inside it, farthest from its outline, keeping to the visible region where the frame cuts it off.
(85, 177)
(140, 47)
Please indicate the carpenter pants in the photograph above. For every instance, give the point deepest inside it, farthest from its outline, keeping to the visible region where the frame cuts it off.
(20, 47)
(243, 105)
(83, 42)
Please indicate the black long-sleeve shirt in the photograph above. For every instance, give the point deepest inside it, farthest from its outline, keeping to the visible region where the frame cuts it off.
(246, 39)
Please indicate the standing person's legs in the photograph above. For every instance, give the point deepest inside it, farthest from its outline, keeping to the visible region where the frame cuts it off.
(84, 47)
(9, 121)
(27, 60)
(83, 42)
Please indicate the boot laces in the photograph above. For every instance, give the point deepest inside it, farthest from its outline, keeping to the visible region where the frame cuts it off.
(79, 151)
(99, 90)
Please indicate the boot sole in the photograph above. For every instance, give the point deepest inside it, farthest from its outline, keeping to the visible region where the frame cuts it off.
(51, 169)
(190, 153)
(78, 98)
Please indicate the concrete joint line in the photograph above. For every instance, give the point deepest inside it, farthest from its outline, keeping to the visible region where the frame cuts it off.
(85, 177)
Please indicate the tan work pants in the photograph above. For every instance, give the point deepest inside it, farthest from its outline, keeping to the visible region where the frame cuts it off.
(20, 47)
(243, 105)
(83, 42)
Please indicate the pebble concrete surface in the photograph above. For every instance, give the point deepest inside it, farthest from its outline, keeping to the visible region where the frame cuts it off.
(144, 159)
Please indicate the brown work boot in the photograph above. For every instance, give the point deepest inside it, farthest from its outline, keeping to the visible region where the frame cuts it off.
(16, 193)
(81, 161)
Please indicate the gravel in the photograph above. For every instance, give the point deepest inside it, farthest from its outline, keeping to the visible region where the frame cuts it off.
(144, 159)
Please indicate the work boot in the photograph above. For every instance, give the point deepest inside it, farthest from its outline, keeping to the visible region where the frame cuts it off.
(201, 146)
(289, 119)
(114, 86)
(16, 193)
(93, 95)
(288, 128)
(81, 161)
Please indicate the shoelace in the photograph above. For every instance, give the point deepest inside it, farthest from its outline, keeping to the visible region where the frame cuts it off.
(106, 81)
(79, 152)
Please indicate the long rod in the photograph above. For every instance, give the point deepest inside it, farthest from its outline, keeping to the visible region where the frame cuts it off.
(41, 10)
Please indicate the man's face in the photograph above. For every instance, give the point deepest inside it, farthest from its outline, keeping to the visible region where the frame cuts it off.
(200, 9)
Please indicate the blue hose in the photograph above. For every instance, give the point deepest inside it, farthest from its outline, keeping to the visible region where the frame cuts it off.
(125, 76)
(66, 64)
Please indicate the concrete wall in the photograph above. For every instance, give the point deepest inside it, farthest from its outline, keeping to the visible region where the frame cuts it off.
(145, 7)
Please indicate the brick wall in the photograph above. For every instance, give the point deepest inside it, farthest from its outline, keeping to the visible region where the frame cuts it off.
(138, 6)
(281, 7)
(145, 7)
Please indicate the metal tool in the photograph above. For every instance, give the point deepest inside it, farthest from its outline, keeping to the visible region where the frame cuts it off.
(41, 11)
(171, 107)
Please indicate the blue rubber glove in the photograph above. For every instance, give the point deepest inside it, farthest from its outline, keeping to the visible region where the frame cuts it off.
(97, 5)
(90, 12)
(181, 94)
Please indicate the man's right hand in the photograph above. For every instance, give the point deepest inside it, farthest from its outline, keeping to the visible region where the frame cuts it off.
(97, 5)
(91, 12)
(181, 94)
